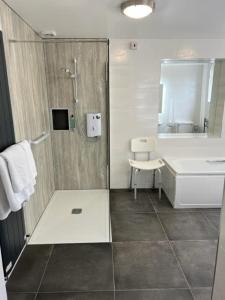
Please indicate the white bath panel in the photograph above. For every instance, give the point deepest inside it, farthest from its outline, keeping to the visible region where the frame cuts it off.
(75, 217)
(194, 183)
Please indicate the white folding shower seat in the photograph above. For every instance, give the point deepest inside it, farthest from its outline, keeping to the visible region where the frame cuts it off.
(144, 145)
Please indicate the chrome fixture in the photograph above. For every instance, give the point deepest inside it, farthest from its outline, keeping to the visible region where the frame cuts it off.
(68, 71)
(74, 77)
(137, 9)
(206, 125)
(215, 161)
(40, 139)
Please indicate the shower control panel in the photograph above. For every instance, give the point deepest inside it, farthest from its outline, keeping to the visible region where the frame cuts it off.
(94, 124)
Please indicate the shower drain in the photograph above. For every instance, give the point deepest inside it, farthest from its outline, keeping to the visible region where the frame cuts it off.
(76, 211)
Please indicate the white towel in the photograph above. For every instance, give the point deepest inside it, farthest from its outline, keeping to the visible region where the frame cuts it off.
(4, 204)
(26, 146)
(17, 177)
(21, 166)
(11, 201)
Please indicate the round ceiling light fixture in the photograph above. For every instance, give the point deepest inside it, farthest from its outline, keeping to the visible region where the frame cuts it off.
(137, 9)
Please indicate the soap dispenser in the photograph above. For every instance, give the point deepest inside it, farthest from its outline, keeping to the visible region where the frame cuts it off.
(72, 122)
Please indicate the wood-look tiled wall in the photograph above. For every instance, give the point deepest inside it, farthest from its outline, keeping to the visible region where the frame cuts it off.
(27, 82)
(79, 162)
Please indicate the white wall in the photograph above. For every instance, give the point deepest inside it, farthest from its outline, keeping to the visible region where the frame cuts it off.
(134, 99)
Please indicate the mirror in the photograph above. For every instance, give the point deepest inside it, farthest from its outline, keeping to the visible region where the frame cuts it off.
(192, 94)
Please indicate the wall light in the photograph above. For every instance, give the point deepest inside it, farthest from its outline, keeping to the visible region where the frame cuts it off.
(137, 9)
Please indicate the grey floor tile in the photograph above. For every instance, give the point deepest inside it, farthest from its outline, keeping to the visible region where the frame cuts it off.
(154, 295)
(77, 296)
(18, 296)
(216, 210)
(146, 265)
(188, 226)
(124, 201)
(136, 227)
(197, 259)
(161, 205)
(213, 217)
(29, 270)
(79, 267)
(202, 294)
(164, 205)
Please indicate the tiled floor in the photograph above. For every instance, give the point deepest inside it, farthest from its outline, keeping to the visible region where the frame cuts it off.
(157, 253)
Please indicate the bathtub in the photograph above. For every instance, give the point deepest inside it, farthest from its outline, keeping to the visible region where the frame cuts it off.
(194, 183)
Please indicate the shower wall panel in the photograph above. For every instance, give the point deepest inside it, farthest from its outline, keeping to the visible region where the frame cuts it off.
(28, 92)
(79, 162)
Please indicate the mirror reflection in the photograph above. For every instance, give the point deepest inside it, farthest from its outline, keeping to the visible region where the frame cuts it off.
(192, 94)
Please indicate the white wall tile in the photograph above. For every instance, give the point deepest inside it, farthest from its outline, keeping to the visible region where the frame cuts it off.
(134, 99)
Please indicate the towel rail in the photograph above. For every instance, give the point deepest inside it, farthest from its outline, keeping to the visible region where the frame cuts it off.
(40, 139)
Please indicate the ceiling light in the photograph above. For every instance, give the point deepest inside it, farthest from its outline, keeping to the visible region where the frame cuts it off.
(137, 9)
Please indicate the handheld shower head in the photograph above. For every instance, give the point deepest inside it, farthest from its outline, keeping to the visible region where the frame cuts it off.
(74, 78)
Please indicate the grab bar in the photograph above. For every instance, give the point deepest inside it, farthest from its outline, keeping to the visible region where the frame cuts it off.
(40, 139)
(216, 161)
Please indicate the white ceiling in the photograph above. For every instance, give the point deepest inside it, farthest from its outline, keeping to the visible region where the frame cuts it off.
(102, 18)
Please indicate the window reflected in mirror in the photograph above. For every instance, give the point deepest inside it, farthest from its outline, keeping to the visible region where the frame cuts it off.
(192, 94)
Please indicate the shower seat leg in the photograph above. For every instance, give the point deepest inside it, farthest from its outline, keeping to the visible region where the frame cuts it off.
(135, 184)
(153, 179)
(131, 177)
(160, 184)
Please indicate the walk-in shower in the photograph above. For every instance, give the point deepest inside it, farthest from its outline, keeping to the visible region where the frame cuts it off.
(77, 86)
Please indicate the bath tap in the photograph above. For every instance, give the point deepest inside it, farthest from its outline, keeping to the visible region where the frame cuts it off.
(206, 124)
